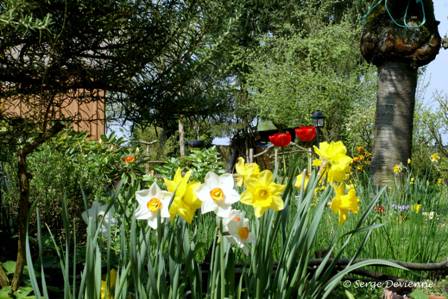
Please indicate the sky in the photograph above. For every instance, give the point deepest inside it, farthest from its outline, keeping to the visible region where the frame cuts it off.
(436, 72)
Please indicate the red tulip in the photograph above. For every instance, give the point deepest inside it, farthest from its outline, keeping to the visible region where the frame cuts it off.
(280, 139)
(306, 133)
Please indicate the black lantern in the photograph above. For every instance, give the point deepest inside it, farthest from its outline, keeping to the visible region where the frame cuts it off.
(318, 119)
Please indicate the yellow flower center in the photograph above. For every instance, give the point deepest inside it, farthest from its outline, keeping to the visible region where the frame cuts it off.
(217, 194)
(154, 204)
(263, 194)
(243, 233)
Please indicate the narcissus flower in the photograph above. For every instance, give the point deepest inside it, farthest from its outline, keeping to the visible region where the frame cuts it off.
(306, 133)
(343, 203)
(107, 291)
(186, 205)
(416, 208)
(185, 202)
(217, 194)
(99, 213)
(398, 168)
(238, 228)
(280, 139)
(333, 160)
(245, 171)
(429, 215)
(153, 202)
(435, 158)
(302, 178)
(262, 193)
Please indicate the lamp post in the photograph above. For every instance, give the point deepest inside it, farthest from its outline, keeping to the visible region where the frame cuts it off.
(318, 119)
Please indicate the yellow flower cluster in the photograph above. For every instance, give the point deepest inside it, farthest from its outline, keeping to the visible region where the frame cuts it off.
(435, 158)
(261, 191)
(335, 165)
(398, 168)
(362, 160)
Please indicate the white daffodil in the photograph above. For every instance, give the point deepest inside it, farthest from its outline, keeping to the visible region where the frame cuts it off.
(239, 230)
(99, 212)
(153, 202)
(217, 194)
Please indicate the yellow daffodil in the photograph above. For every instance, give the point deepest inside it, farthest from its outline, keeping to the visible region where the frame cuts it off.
(106, 292)
(334, 160)
(343, 203)
(245, 171)
(302, 178)
(262, 193)
(440, 181)
(317, 163)
(397, 168)
(339, 171)
(435, 158)
(185, 202)
(416, 208)
(187, 205)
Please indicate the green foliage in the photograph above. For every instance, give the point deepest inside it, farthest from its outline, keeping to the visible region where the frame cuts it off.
(14, 13)
(61, 166)
(23, 292)
(296, 75)
(199, 161)
(406, 234)
(430, 124)
(153, 142)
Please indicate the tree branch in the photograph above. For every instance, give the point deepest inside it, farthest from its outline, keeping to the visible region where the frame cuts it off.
(29, 148)
(410, 266)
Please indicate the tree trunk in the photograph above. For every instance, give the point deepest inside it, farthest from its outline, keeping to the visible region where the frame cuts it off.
(24, 200)
(181, 138)
(394, 119)
(4, 281)
(24, 206)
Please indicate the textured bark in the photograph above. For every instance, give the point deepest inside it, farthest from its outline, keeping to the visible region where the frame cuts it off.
(181, 138)
(397, 52)
(382, 40)
(393, 120)
(4, 281)
(24, 206)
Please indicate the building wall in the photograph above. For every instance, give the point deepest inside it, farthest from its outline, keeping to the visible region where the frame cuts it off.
(85, 109)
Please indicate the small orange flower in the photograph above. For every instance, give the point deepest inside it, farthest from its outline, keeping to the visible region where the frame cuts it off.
(379, 209)
(128, 159)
